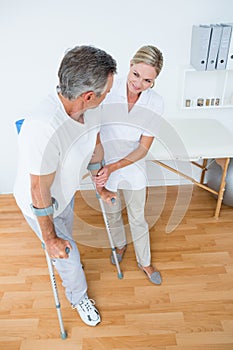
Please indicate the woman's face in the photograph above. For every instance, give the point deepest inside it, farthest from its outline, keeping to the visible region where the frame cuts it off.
(141, 77)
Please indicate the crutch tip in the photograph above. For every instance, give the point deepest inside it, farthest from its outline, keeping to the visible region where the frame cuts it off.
(120, 276)
(63, 335)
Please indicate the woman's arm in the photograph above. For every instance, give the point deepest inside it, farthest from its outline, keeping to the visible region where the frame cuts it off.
(139, 153)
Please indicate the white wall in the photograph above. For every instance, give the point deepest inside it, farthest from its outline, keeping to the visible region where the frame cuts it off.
(35, 35)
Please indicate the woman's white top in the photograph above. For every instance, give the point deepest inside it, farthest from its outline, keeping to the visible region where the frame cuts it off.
(121, 132)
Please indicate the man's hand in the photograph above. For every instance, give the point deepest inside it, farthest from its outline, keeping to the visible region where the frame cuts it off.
(56, 248)
(106, 195)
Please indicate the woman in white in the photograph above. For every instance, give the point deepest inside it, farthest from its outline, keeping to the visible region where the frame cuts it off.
(131, 114)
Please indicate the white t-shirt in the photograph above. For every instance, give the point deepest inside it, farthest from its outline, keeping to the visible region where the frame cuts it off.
(50, 141)
(121, 132)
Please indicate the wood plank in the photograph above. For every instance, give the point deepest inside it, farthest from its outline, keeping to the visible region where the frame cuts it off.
(192, 309)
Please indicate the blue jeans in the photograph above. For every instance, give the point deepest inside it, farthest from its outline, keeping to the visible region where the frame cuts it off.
(70, 270)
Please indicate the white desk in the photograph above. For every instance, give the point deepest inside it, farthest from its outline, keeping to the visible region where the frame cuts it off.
(190, 140)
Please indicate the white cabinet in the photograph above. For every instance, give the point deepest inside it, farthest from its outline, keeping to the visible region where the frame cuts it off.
(207, 89)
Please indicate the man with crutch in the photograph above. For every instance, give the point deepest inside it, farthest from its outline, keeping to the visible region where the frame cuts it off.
(56, 143)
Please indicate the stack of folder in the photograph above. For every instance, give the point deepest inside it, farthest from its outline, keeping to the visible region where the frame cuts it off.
(212, 47)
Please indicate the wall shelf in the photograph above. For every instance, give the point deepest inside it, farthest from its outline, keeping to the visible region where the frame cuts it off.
(207, 107)
(207, 89)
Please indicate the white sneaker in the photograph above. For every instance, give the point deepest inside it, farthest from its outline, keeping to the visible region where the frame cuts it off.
(87, 311)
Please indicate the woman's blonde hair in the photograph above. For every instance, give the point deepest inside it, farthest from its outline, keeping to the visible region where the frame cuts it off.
(150, 55)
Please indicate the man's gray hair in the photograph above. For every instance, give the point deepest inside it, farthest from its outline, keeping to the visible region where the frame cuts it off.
(83, 69)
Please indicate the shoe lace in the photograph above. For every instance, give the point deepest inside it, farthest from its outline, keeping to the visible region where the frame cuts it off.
(86, 304)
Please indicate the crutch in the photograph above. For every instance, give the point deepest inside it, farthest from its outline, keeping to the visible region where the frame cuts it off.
(63, 333)
(108, 229)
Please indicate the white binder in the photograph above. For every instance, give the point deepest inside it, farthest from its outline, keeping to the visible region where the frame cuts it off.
(200, 46)
(224, 46)
(230, 52)
(214, 46)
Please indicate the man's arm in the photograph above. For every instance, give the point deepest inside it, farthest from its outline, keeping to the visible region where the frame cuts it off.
(97, 159)
(97, 156)
(41, 198)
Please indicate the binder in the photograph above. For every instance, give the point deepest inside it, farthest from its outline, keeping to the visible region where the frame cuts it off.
(214, 46)
(200, 46)
(230, 52)
(224, 47)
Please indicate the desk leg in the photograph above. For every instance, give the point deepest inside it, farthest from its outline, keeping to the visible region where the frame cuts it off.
(203, 171)
(222, 188)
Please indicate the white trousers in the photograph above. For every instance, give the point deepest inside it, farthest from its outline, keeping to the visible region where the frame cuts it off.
(70, 270)
(135, 205)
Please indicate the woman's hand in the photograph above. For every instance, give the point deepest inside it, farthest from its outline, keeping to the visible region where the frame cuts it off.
(102, 176)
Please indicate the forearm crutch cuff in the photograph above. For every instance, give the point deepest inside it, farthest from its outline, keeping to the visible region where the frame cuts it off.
(45, 211)
(96, 166)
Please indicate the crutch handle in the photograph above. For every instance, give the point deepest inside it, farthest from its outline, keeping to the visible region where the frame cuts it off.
(67, 250)
(113, 200)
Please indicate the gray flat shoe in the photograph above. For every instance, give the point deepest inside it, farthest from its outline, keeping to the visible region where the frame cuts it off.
(119, 256)
(155, 277)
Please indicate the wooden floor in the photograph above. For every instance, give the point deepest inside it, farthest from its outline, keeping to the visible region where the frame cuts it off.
(191, 310)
